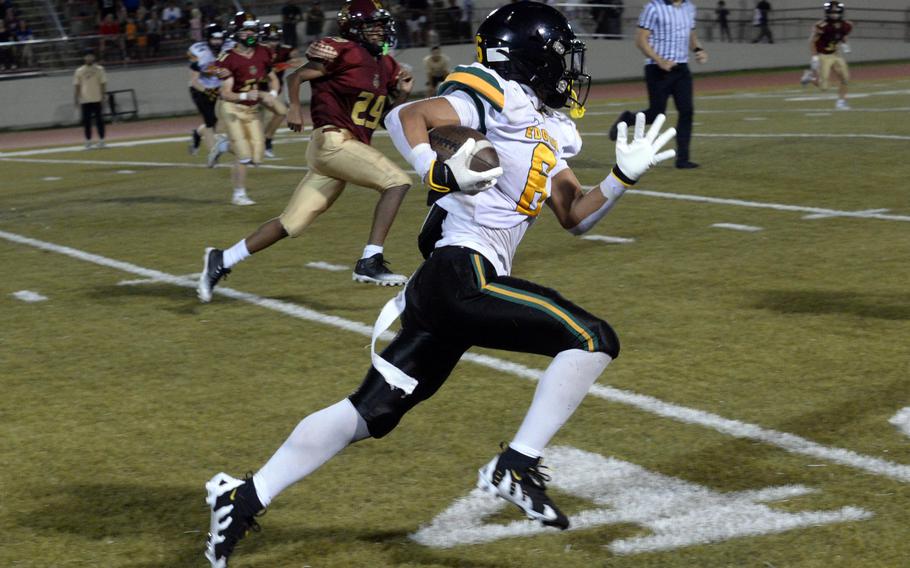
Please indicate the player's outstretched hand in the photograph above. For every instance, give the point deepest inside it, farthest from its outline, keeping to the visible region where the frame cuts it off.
(468, 180)
(293, 118)
(634, 158)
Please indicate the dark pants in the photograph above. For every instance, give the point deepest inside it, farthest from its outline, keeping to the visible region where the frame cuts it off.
(677, 83)
(205, 104)
(88, 111)
(455, 300)
(764, 32)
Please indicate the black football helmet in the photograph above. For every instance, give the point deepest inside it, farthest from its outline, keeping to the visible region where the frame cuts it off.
(270, 33)
(245, 22)
(533, 43)
(358, 19)
(213, 31)
(834, 10)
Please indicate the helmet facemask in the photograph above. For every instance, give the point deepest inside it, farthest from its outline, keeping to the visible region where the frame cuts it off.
(376, 32)
(557, 77)
(834, 11)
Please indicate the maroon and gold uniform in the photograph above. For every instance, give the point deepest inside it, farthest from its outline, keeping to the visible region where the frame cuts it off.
(248, 71)
(244, 125)
(355, 89)
(831, 33)
(346, 106)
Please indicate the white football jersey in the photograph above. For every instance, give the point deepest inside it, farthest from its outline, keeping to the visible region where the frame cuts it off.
(533, 146)
(201, 54)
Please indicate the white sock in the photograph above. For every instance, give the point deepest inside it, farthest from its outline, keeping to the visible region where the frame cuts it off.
(370, 250)
(561, 389)
(239, 191)
(315, 440)
(235, 254)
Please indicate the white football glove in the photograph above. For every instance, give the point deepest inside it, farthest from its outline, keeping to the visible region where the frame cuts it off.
(814, 63)
(635, 158)
(469, 181)
(845, 47)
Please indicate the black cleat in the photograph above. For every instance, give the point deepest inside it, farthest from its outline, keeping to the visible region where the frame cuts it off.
(234, 507)
(213, 270)
(194, 144)
(373, 270)
(519, 480)
(628, 117)
(686, 165)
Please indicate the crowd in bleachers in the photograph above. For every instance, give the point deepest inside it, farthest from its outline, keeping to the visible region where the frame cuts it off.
(15, 28)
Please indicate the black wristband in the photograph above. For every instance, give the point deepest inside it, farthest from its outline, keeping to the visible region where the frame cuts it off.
(623, 177)
(440, 181)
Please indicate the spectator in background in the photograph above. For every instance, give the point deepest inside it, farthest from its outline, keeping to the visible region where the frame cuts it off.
(196, 24)
(7, 59)
(315, 19)
(465, 24)
(153, 33)
(437, 66)
(290, 15)
(447, 21)
(722, 14)
(170, 19)
(131, 6)
(105, 8)
(23, 33)
(110, 33)
(417, 21)
(608, 18)
(131, 37)
(90, 83)
(762, 21)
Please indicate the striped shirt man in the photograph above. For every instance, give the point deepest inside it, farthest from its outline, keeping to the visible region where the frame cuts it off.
(670, 25)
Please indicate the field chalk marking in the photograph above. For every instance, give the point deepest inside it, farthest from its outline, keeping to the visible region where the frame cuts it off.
(320, 265)
(28, 296)
(737, 227)
(608, 239)
(902, 420)
(789, 442)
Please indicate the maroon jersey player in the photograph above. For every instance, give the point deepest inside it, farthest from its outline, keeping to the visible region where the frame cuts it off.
(283, 57)
(242, 69)
(827, 45)
(354, 84)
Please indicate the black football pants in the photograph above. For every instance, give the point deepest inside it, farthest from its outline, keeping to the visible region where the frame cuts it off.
(90, 110)
(677, 83)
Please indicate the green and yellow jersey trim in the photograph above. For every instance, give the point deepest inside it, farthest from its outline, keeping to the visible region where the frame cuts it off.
(531, 300)
(476, 81)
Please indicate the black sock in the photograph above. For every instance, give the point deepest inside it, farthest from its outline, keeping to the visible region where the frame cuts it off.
(268, 143)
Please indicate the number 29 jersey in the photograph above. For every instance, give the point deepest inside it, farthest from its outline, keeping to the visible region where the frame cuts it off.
(532, 145)
(354, 91)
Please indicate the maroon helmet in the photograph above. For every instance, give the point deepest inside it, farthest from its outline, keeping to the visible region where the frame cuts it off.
(245, 22)
(367, 23)
(270, 32)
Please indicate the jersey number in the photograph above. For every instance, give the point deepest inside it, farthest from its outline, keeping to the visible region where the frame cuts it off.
(535, 193)
(367, 114)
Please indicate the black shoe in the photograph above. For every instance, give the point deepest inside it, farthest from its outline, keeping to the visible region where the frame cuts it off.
(518, 479)
(213, 270)
(686, 165)
(268, 143)
(373, 270)
(194, 145)
(628, 117)
(234, 507)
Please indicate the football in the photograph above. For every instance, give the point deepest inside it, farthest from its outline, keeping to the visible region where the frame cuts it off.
(446, 140)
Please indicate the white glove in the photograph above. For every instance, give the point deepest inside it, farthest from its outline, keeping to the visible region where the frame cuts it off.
(633, 160)
(845, 47)
(467, 180)
(814, 63)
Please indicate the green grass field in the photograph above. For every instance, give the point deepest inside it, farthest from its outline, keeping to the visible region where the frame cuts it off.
(773, 359)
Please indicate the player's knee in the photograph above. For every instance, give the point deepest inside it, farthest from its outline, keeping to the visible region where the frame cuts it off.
(605, 338)
(397, 180)
(380, 406)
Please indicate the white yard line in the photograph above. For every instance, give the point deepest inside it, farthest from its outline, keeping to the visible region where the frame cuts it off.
(320, 265)
(829, 216)
(663, 195)
(789, 442)
(737, 227)
(608, 239)
(775, 206)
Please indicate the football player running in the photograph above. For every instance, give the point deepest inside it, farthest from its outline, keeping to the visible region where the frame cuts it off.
(828, 44)
(284, 57)
(204, 84)
(353, 85)
(530, 64)
(241, 70)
